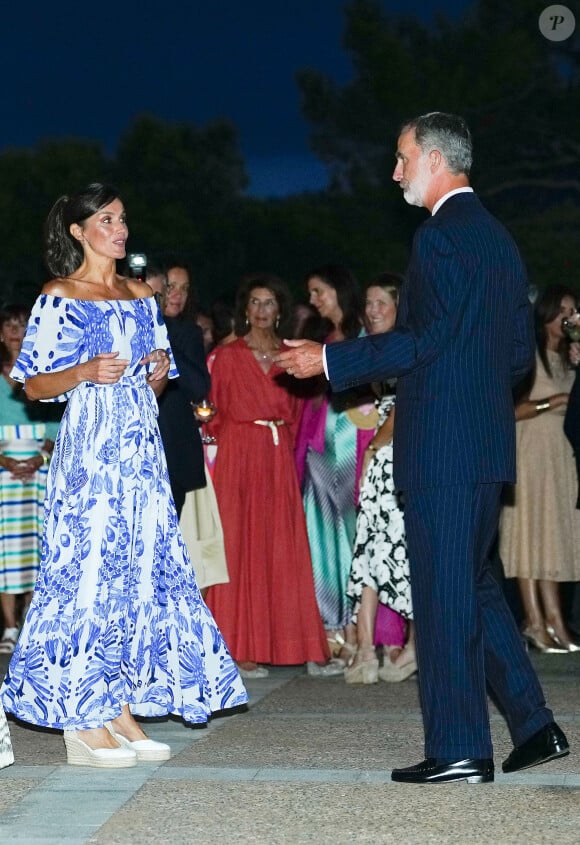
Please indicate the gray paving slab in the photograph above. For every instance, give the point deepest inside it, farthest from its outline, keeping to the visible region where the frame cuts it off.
(308, 763)
(336, 814)
(14, 789)
(66, 805)
(547, 776)
(302, 743)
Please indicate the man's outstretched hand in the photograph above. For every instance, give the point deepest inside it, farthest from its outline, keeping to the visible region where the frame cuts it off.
(303, 360)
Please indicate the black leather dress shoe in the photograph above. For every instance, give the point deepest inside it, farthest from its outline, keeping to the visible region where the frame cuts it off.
(433, 770)
(547, 744)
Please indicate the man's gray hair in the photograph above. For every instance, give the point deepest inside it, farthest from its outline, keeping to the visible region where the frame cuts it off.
(447, 133)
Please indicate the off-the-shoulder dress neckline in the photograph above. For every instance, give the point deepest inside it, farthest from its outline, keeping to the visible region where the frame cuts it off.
(78, 299)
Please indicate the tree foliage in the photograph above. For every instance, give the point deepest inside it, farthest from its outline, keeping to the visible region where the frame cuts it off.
(30, 182)
(519, 92)
(183, 185)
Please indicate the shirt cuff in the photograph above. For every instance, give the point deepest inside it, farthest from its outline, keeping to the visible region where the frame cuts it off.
(324, 364)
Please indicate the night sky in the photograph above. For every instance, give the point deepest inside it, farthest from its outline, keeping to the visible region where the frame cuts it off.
(87, 69)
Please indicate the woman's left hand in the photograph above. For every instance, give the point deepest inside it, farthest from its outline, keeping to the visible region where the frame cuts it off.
(160, 358)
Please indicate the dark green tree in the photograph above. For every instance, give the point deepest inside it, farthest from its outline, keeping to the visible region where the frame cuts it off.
(30, 182)
(182, 185)
(519, 92)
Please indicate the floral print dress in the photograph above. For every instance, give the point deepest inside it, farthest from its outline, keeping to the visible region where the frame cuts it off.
(116, 615)
(380, 549)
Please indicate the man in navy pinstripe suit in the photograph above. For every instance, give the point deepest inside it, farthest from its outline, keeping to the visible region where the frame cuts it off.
(463, 339)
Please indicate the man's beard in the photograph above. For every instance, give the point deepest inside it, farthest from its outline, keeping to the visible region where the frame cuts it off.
(416, 191)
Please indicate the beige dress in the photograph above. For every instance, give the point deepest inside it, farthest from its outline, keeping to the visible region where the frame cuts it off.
(202, 531)
(540, 526)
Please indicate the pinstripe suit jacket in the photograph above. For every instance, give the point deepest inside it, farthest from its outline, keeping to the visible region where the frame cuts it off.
(463, 338)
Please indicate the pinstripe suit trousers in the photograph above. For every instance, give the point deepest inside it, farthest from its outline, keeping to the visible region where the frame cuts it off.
(466, 634)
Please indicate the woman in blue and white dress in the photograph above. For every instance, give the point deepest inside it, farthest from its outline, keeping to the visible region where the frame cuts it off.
(116, 626)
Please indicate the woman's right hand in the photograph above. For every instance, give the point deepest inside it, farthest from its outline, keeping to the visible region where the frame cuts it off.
(104, 368)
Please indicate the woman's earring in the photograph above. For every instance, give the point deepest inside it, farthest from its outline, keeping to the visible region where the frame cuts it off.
(277, 321)
(247, 322)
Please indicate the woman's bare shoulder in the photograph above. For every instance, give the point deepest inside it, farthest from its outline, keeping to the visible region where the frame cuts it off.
(60, 287)
(85, 290)
(140, 290)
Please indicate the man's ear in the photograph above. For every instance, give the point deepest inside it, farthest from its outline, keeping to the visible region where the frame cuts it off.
(435, 160)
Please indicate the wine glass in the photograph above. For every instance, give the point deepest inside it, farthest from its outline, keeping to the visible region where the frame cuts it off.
(571, 326)
(203, 412)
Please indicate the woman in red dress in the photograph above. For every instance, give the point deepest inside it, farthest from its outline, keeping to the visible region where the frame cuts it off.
(268, 611)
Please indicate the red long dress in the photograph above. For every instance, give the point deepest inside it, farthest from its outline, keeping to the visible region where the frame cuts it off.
(268, 611)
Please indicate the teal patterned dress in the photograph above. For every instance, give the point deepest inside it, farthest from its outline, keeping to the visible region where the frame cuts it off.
(328, 458)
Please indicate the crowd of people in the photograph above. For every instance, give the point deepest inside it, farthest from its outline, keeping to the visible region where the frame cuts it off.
(334, 448)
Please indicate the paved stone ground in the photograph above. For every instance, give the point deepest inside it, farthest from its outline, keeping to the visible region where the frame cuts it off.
(307, 764)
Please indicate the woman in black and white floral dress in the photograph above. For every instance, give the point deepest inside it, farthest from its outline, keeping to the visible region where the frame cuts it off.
(380, 569)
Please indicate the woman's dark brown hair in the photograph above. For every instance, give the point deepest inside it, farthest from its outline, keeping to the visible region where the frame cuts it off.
(281, 294)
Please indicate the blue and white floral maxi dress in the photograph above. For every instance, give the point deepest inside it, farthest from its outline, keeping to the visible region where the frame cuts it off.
(116, 615)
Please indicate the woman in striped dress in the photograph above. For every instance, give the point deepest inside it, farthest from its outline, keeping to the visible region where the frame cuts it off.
(26, 442)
